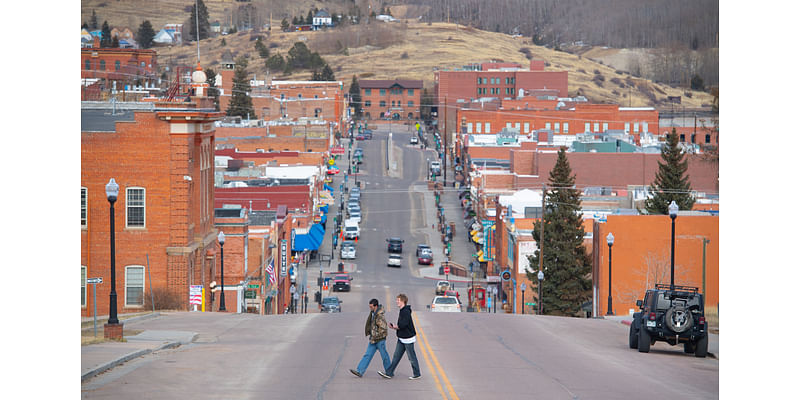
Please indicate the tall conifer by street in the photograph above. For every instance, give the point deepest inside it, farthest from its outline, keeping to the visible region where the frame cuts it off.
(145, 35)
(241, 104)
(566, 265)
(672, 182)
(355, 97)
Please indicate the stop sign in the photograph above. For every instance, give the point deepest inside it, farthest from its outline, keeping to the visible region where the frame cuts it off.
(446, 270)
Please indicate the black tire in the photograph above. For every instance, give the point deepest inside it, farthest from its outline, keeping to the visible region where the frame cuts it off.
(689, 347)
(678, 319)
(644, 341)
(633, 337)
(701, 348)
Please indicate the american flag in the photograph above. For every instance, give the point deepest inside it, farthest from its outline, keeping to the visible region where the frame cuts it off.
(271, 272)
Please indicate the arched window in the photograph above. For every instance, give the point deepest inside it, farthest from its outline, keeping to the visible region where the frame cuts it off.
(102, 65)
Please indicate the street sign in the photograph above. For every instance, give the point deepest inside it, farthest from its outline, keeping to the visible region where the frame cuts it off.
(253, 286)
(250, 294)
(505, 275)
(94, 280)
(530, 304)
(196, 294)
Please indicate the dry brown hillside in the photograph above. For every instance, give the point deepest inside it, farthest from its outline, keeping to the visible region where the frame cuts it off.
(410, 50)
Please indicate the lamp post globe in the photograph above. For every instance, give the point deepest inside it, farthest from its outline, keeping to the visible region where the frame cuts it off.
(221, 239)
(610, 241)
(112, 192)
(673, 213)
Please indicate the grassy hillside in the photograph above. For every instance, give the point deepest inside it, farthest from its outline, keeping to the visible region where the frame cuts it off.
(406, 49)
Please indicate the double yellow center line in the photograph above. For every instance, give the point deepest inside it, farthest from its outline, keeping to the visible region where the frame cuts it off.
(427, 353)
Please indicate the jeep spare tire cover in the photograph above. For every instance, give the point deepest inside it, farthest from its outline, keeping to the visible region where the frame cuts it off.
(678, 319)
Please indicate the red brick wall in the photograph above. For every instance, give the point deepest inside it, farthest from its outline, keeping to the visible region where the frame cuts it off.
(145, 154)
(401, 103)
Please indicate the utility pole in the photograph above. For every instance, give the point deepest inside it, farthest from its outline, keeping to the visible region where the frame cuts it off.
(541, 249)
(444, 150)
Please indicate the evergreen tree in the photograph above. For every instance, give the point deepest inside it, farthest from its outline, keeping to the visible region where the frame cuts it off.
(241, 103)
(105, 36)
(275, 63)
(213, 91)
(327, 73)
(566, 264)
(262, 49)
(285, 25)
(355, 97)
(299, 56)
(309, 18)
(93, 21)
(145, 35)
(201, 20)
(672, 182)
(85, 26)
(115, 42)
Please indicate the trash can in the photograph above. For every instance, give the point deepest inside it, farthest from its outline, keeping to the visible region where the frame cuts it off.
(341, 267)
(441, 270)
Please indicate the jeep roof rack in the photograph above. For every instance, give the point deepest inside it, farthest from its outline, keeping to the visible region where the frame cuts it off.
(677, 288)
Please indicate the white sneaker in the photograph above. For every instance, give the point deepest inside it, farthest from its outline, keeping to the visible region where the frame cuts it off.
(414, 377)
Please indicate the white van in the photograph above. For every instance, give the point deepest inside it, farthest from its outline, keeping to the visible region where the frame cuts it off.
(351, 229)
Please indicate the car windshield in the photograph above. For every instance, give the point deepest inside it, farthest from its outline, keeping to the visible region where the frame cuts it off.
(395, 256)
(395, 240)
(446, 300)
(330, 301)
(351, 228)
(341, 278)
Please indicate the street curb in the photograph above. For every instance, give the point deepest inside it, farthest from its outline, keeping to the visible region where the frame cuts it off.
(133, 319)
(136, 354)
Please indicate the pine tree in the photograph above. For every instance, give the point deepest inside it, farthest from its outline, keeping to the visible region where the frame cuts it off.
(285, 25)
(262, 49)
(93, 21)
(327, 73)
(213, 91)
(201, 20)
(671, 182)
(105, 36)
(566, 264)
(145, 35)
(355, 97)
(241, 103)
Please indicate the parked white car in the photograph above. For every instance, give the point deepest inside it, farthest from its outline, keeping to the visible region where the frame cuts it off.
(445, 304)
(348, 250)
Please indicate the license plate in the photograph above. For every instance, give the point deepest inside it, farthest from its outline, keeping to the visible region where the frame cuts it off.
(651, 324)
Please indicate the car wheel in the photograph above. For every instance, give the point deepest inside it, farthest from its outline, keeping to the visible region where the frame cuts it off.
(644, 341)
(633, 337)
(678, 319)
(701, 348)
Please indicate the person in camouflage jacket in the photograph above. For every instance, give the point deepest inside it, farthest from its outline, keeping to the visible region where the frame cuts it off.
(376, 329)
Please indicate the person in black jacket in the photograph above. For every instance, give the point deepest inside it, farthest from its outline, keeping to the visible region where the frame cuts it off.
(406, 337)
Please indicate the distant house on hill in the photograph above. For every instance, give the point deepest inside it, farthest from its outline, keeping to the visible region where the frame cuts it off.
(216, 27)
(322, 20)
(86, 38)
(170, 34)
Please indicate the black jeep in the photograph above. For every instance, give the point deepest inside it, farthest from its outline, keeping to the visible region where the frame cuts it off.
(673, 316)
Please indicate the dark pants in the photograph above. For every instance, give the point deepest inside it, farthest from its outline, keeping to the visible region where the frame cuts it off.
(399, 349)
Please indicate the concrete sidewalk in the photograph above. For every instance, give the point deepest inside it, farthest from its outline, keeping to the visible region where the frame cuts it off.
(100, 357)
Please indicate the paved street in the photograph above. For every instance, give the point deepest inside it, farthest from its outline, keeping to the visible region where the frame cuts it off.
(461, 355)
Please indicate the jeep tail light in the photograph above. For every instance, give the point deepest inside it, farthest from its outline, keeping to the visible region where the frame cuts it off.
(652, 316)
(702, 320)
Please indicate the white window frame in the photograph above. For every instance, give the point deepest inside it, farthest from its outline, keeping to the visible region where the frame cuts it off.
(84, 207)
(488, 127)
(605, 126)
(596, 127)
(469, 127)
(644, 127)
(508, 125)
(479, 127)
(627, 127)
(83, 285)
(557, 126)
(127, 287)
(566, 127)
(547, 126)
(143, 206)
(527, 127)
(516, 125)
(587, 128)
(635, 127)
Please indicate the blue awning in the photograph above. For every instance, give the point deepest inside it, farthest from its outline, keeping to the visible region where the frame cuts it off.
(326, 187)
(309, 241)
(323, 219)
(324, 209)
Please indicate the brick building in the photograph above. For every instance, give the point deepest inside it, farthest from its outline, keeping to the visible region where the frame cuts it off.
(287, 100)
(162, 157)
(116, 68)
(502, 80)
(581, 118)
(396, 99)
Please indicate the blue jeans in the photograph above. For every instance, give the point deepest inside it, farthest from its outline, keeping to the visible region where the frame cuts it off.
(398, 354)
(381, 347)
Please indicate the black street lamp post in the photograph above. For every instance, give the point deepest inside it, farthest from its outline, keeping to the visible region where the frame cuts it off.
(221, 238)
(673, 213)
(610, 241)
(522, 287)
(112, 191)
